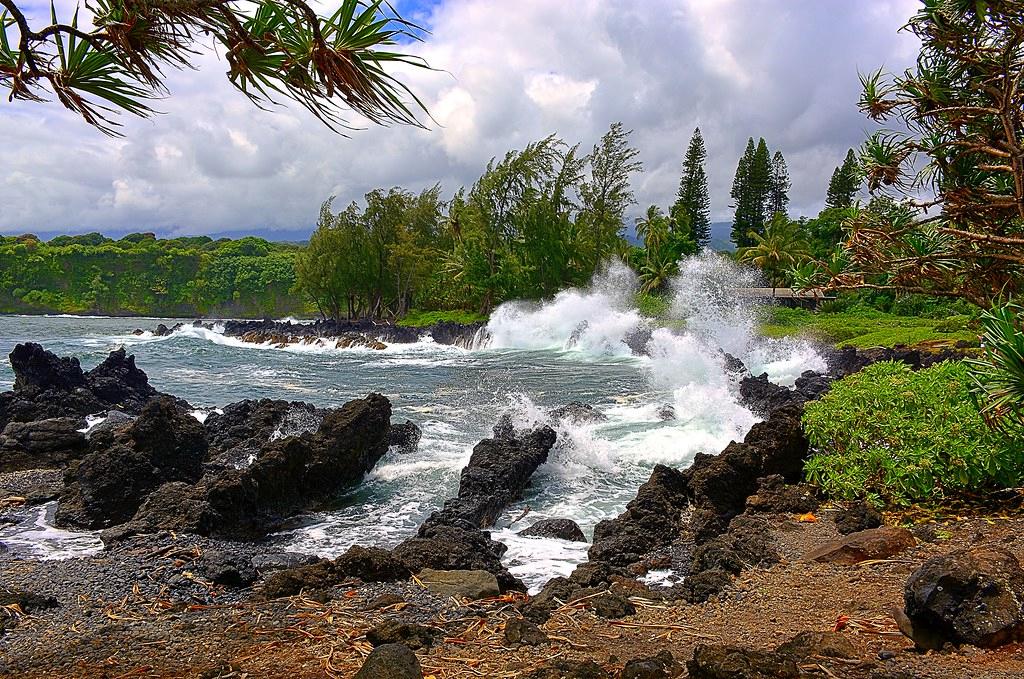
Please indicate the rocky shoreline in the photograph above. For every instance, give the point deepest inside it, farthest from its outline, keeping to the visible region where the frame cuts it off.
(187, 587)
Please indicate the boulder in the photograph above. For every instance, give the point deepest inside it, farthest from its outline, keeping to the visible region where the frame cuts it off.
(667, 412)
(774, 495)
(650, 521)
(370, 564)
(462, 584)
(522, 631)
(762, 396)
(44, 444)
(578, 413)
(118, 382)
(561, 529)
(728, 662)
(240, 431)
(660, 666)
(405, 437)
(396, 632)
(453, 548)
(865, 545)
(569, 669)
(289, 475)
(110, 483)
(37, 370)
(699, 587)
(747, 542)
(497, 473)
(819, 644)
(555, 592)
(973, 596)
(224, 568)
(857, 517)
(390, 661)
(114, 420)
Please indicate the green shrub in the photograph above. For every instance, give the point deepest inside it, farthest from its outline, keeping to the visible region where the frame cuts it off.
(999, 375)
(421, 319)
(652, 305)
(891, 434)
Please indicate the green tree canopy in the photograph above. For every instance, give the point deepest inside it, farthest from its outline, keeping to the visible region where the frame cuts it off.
(693, 203)
(845, 183)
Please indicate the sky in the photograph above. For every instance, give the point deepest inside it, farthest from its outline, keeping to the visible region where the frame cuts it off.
(507, 73)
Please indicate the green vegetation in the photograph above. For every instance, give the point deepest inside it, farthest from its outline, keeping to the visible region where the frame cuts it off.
(693, 203)
(866, 328)
(421, 319)
(999, 377)
(898, 436)
(140, 274)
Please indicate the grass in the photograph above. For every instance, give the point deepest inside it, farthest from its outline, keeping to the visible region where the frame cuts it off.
(866, 328)
(421, 319)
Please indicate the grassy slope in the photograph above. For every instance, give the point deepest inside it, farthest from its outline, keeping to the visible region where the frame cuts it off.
(865, 328)
(421, 319)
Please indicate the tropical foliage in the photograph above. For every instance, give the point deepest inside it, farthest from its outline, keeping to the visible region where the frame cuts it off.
(999, 378)
(778, 251)
(275, 50)
(892, 434)
(140, 274)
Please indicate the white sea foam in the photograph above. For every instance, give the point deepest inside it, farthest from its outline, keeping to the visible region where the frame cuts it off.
(39, 538)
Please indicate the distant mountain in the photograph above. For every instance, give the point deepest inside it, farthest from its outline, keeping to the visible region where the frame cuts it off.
(720, 233)
(273, 235)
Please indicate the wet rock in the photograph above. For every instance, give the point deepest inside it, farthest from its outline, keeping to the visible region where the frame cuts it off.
(857, 517)
(38, 370)
(733, 364)
(865, 545)
(288, 475)
(578, 413)
(276, 561)
(44, 444)
(243, 428)
(522, 631)
(405, 437)
(114, 420)
(229, 570)
(774, 495)
(409, 634)
(453, 548)
(569, 669)
(118, 382)
(667, 412)
(821, 644)
(727, 662)
(591, 574)
(497, 473)
(561, 529)
(660, 666)
(762, 396)
(372, 564)
(162, 330)
(973, 596)
(651, 521)
(390, 661)
(462, 584)
(812, 385)
(723, 482)
(107, 486)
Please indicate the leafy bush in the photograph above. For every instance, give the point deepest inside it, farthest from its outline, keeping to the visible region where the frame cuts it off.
(891, 434)
(652, 305)
(421, 319)
(999, 376)
(860, 327)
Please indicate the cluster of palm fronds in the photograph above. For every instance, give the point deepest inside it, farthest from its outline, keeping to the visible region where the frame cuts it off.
(276, 49)
(961, 138)
(999, 377)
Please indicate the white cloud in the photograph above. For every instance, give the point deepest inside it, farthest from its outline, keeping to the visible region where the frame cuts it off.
(508, 73)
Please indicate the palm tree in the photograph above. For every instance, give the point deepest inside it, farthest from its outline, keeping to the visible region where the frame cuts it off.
(275, 49)
(781, 249)
(653, 228)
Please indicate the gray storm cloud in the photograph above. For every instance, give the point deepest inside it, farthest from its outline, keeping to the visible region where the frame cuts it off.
(508, 73)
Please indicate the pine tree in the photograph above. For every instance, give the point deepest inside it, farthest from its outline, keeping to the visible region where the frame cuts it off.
(742, 222)
(778, 195)
(845, 183)
(761, 184)
(693, 204)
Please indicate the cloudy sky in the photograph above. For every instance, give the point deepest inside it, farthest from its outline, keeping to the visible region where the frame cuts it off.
(511, 72)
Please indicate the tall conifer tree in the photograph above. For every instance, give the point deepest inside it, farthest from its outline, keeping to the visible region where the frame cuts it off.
(693, 204)
(845, 183)
(742, 222)
(778, 195)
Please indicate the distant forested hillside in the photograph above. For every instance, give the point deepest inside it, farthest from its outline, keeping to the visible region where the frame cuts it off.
(140, 274)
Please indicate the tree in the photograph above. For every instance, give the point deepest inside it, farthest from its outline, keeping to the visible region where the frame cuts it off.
(692, 200)
(607, 194)
(750, 192)
(778, 251)
(664, 244)
(274, 49)
(961, 110)
(845, 183)
(778, 190)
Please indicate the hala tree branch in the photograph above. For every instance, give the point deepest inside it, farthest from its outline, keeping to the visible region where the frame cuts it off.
(276, 49)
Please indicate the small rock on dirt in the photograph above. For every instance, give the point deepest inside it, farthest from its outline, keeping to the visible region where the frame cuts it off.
(727, 662)
(522, 631)
(865, 545)
(458, 583)
(396, 632)
(390, 661)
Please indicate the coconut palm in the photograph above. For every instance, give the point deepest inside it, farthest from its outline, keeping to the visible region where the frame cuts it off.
(653, 228)
(779, 250)
(275, 49)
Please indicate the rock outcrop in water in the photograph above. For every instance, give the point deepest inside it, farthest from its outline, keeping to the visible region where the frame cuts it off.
(288, 475)
(239, 432)
(48, 387)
